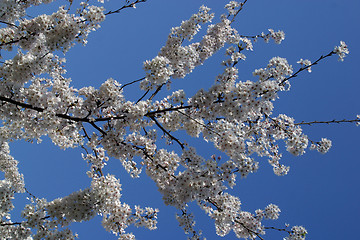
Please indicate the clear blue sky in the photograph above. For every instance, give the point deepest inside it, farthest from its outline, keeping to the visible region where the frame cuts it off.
(321, 192)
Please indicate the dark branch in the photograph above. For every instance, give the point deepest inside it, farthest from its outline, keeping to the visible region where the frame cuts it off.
(156, 92)
(306, 67)
(329, 122)
(167, 132)
(128, 5)
(10, 24)
(241, 7)
(153, 113)
(127, 84)
(279, 229)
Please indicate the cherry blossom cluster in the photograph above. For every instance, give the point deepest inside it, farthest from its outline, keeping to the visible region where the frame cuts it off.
(322, 146)
(10, 11)
(186, 221)
(117, 216)
(42, 225)
(13, 183)
(341, 50)
(278, 36)
(8, 165)
(232, 7)
(305, 63)
(176, 61)
(6, 195)
(297, 233)
(278, 68)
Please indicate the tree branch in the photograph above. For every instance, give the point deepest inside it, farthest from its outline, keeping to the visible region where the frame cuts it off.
(153, 113)
(357, 120)
(167, 133)
(306, 67)
(241, 7)
(127, 84)
(201, 124)
(127, 5)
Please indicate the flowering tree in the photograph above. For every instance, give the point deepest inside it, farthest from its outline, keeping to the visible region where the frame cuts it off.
(233, 115)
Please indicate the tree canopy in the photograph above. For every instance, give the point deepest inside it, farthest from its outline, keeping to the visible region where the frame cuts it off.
(197, 117)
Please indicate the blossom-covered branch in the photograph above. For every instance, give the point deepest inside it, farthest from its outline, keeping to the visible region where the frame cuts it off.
(233, 115)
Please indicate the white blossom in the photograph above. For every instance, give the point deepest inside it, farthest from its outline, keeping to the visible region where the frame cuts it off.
(341, 50)
(305, 63)
(297, 233)
(323, 146)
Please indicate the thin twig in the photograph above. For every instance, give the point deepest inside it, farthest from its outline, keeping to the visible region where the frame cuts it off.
(241, 7)
(156, 91)
(167, 132)
(279, 229)
(129, 5)
(98, 128)
(357, 120)
(199, 123)
(10, 24)
(306, 67)
(142, 96)
(153, 113)
(249, 230)
(127, 84)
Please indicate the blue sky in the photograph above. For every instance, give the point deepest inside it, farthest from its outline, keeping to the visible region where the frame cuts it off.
(321, 192)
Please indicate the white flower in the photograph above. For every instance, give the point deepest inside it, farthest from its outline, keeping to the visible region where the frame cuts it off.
(278, 36)
(297, 233)
(341, 50)
(272, 212)
(324, 145)
(305, 63)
